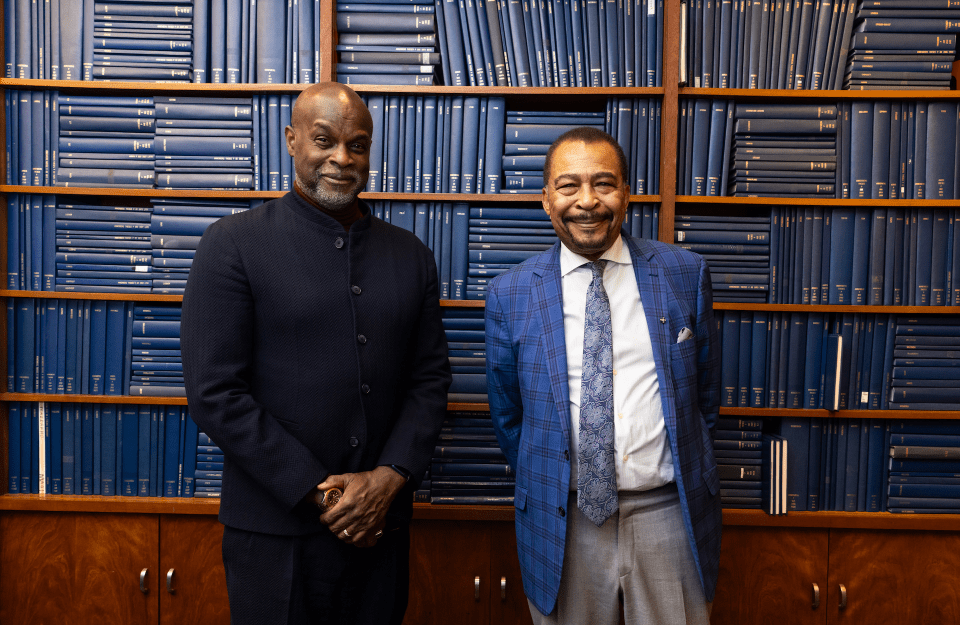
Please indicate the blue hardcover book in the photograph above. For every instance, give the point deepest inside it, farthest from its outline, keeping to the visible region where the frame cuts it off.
(115, 340)
(14, 437)
(95, 346)
(859, 281)
(841, 256)
(108, 449)
(730, 352)
(86, 446)
(458, 252)
(920, 151)
(170, 460)
(941, 133)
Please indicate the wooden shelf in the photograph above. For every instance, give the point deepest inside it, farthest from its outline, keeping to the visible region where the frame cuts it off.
(844, 414)
(844, 308)
(95, 399)
(192, 193)
(126, 297)
(779, 95)
(816, 201)
(426, 511)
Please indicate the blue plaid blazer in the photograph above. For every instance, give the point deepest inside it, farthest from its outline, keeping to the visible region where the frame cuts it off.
(529, 400)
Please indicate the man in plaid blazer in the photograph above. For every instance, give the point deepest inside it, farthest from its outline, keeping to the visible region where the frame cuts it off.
(657, 557)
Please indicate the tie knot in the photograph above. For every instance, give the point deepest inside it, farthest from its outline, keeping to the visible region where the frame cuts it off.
(597, 267)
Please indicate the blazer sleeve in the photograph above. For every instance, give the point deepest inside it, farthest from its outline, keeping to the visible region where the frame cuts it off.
(708, 351)
(424, 403)
(216, 336)
(503, 381)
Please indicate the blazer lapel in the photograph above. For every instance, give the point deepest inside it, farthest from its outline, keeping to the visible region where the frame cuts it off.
(548, 299)
(653, 293)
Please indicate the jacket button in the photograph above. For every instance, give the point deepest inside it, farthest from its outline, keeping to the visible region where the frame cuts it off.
(365, 388)
(566, 454)
(338, 243)
(562, 511)
(355, 289)
(362, 339)
(353, 441)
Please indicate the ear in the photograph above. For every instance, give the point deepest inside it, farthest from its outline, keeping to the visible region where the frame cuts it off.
(544, 200)
(291, 136)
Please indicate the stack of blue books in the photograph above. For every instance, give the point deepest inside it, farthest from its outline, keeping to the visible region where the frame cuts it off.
(529, 134)
(902, 45)
(784, 150)
(469, 463)
(740, 478)
(465, 340)
(143, 41)
(105, 141)
(208, 474)
(502, 237)
(394, 40)
(156, 369)
(635, 124)
(103, 248)
(272, 165)
(926, 367)
(737, 445)
(737, 250)
(176, 226)
(32, 137)
(924, 466)
(204, 143)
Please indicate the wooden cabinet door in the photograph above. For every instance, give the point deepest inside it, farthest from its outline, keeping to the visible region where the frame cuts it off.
(78, 568)
(508, 603)
(190, 546)
(894, 577)
(449, 573)
(767, 576)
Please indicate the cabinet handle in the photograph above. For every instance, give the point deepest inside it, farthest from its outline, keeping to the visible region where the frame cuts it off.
(476, 588)
(816, 596)
(143, 582)
(843, 596)
(170, 588)
(503, 589)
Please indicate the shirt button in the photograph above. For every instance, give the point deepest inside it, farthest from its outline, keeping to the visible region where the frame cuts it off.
(562, 511)
(362, 339)
(338, 243)
(365, 388)
(620, 415)
(614, 372)
(353, 441)
(355, 289)
(625, 457)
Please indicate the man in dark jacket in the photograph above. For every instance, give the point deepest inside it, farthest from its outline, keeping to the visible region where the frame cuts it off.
(314, 357)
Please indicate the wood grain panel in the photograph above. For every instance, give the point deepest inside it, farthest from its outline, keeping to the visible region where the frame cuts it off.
(445, 557)
(508, 607)
(766, 576)
(895, 577)
(191, 546)
(77, 568)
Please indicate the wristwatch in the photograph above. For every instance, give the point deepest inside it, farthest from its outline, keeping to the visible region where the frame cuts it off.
(326, 499)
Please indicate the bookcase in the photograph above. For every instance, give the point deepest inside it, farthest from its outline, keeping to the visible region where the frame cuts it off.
(894, 568)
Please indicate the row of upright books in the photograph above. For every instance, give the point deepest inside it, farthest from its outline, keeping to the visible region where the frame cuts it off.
(818, 44)
(93, 347)
(458, 144)
(106, 248)
(838, 361)
(200, 41)
(128, 450)
(862, 149)
(815, 255)
(873, 465)
(499, 150)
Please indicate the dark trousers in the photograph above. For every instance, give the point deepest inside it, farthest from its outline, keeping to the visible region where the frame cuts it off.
(315, 579)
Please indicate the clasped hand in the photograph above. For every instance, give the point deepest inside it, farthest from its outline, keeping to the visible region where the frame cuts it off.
(360, 515)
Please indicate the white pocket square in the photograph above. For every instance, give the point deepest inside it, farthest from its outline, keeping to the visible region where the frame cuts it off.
(684, 335)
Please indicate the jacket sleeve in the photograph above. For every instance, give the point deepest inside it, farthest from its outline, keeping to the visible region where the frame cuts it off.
(708, 352)
(503, 382)
(216, 336)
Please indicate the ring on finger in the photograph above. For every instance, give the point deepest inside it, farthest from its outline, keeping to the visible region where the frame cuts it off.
(345, 533)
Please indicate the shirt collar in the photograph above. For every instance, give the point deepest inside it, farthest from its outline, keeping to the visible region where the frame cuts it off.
(569, 260)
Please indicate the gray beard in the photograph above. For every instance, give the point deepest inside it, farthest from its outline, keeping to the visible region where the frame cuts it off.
(333, 201)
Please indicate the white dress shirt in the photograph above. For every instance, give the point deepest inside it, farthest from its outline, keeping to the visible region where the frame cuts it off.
(643, 453)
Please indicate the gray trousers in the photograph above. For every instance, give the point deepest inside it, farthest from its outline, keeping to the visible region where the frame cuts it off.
(640, 556)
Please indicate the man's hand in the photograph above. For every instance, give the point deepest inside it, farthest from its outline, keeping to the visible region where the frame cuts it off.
(359, 517)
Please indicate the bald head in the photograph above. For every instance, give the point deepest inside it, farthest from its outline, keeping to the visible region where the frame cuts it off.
(329, 139)
(329, 96)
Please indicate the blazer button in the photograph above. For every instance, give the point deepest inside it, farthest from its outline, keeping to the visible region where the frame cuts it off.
(562, 511)
(362, 339)
(353, 441)
(365, 388)
(355, 289)
(566, 454)
(338, 243)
